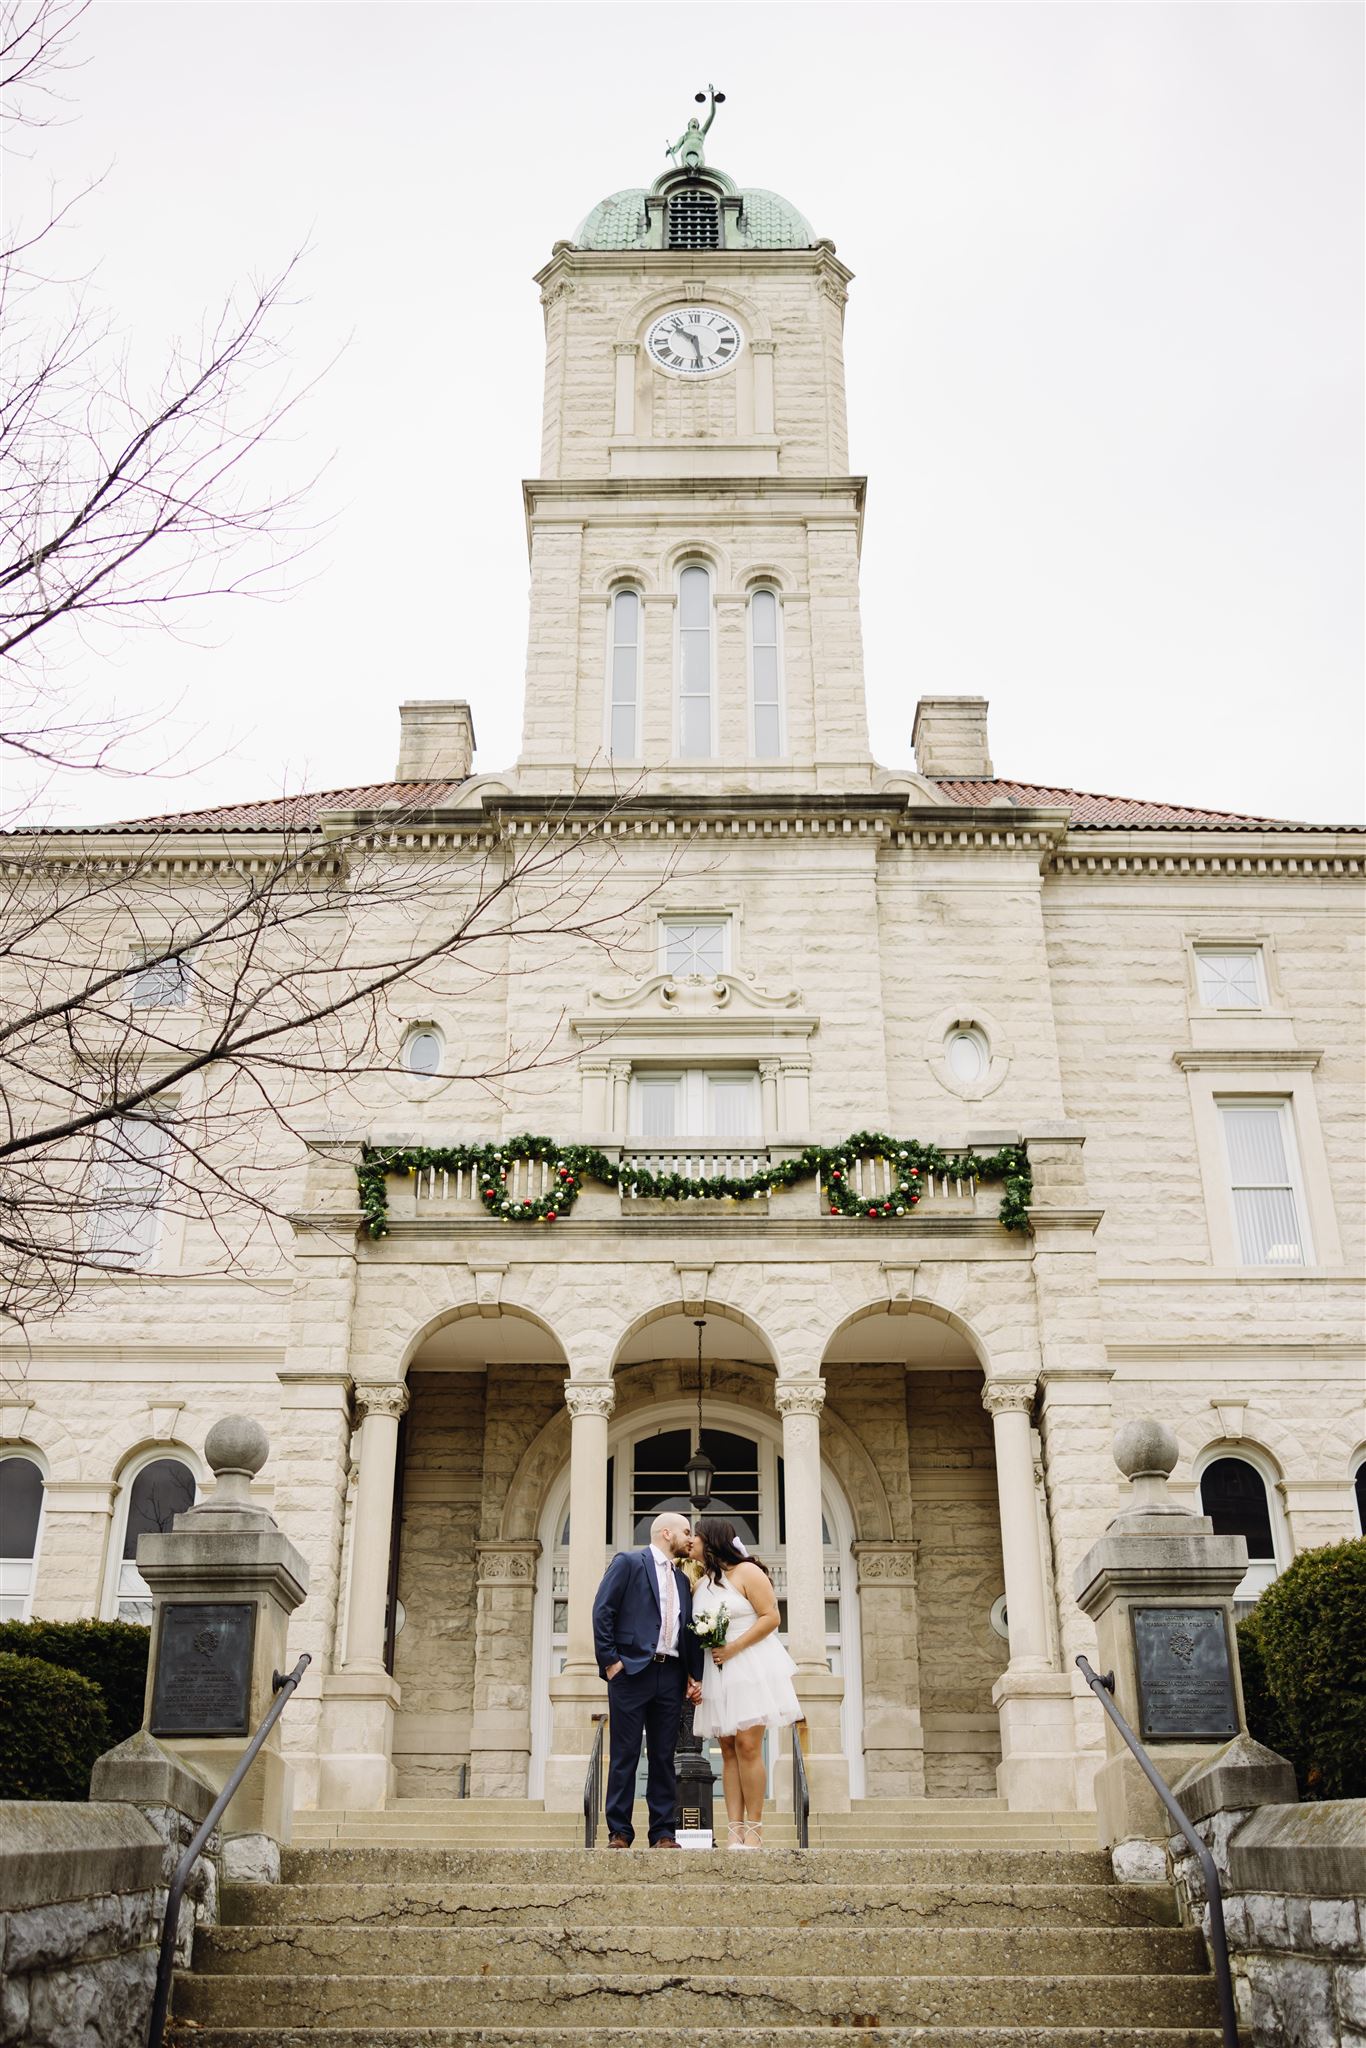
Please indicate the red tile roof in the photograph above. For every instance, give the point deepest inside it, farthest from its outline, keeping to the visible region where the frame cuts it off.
(302, 812)
(1126, 812)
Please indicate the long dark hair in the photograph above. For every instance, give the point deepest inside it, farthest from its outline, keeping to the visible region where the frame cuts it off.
(720, 1551)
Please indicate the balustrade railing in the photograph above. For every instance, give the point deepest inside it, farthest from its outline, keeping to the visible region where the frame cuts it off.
(872, 1178)
(716, 1161)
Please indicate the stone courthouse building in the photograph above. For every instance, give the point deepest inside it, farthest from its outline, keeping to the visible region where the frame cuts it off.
(909, 1415)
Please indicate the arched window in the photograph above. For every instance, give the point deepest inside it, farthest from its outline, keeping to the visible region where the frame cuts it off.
(694, 664)
(623, 676)
(1234, 1495)
(21, 1511)
(159, 1489)
(1359, 1487)
(766, 675)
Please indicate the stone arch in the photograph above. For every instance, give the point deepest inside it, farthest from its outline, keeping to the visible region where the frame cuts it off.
(708, 553)
(711, 1309)
(766, 576)
(464, 1311)
(1264, 1435)
(902, 1312)
(544, 1458)
(55, 1448)
(156, 1447)
(625, 575)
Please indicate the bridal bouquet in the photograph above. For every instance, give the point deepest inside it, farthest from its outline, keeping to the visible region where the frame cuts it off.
(711, 1630)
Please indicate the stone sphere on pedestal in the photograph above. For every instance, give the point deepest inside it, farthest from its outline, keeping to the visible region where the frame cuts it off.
(236, 1443)
(1145, 1449)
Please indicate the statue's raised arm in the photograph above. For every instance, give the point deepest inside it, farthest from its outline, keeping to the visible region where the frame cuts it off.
(688, 152)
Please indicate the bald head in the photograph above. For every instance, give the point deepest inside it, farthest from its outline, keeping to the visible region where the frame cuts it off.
(672, 1533)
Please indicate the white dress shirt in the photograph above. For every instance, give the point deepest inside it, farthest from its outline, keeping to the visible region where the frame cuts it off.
(669, 1606)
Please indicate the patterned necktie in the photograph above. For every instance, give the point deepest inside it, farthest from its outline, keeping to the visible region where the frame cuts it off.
(667, 1606)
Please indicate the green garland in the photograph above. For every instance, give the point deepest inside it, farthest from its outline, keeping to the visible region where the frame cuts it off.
(572, 1165)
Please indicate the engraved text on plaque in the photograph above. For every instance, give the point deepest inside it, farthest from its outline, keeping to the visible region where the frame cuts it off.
(203, 1668)
(1185, 1679)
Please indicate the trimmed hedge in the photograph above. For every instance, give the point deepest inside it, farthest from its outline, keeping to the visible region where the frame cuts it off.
(55, 1726)
(1304, 1669)
(111, 1654)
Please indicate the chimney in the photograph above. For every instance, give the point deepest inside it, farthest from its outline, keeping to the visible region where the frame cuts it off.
(436, 741)
(950, 736)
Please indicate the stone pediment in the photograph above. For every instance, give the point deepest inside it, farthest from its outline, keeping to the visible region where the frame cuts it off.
(670, 1005)
(694, 996)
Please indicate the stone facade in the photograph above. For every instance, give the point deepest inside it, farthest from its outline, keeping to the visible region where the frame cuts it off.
(869, 915)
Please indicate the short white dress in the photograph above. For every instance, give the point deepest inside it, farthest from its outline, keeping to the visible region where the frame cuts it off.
(751, 1690)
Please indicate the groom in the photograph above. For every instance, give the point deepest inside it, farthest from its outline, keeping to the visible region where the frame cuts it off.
(650, 1659)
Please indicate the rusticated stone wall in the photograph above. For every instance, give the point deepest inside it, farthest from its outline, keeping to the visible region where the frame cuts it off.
(959, 1575)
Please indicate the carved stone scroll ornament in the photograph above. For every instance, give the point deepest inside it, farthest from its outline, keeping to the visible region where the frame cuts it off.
(999, 1397)
(508, 1564)
(886, 1563)
(390, 1400)
(594, 1400)
(799, 1397)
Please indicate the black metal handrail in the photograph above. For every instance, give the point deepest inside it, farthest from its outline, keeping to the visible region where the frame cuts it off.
(283, 1689)
(592, 1786)
(801, 1791)
(1103, 1688)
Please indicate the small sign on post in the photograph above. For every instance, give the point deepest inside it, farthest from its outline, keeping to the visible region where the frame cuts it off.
(203, 1663)
(1185, 1675)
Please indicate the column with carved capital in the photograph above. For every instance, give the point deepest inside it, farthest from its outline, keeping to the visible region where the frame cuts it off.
(821, 1691)
(578, 1692)
(500, 1737)
(361, 1699)
(1033, 1701)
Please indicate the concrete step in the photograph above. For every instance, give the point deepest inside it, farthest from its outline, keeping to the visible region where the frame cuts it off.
(590, 1998)
(378, 1863)
(751, 1898)
(1089, 2036)
(748, 1949)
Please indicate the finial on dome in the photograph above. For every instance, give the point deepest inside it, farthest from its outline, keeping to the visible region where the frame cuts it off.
(688, 152)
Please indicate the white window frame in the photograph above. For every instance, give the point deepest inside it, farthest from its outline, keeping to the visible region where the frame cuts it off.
(1261, 1571)
(114, 1588)
(1203, 949)
(1287, 1076)
(149, 961)
(110, 1171)
(766, 590)
(424, 1030)
(31, 1457)
(622, 590)
(670, 920)
(1281, 1104)
(694, 1087)
(1357, 1467)
(710, 573)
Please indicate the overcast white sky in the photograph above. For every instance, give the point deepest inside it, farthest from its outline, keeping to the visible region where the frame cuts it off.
(1104, 347)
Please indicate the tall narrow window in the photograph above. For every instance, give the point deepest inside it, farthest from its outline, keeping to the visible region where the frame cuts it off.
(127, 1202)
(694, 664)
(21, 1509)
(1233, 1494)
(624, 713)
(1266, 1206)
(161, 1490)
(766, 675)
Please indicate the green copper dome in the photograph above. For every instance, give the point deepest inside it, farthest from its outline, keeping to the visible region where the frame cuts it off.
(639, 219)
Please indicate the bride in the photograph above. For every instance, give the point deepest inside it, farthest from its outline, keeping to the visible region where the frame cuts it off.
(747, 1683)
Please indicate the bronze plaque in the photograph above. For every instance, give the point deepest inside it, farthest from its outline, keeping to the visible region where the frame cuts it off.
(203, 1668)
(1185, 1677)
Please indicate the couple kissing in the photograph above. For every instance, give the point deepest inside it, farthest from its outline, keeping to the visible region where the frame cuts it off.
(693, 1616)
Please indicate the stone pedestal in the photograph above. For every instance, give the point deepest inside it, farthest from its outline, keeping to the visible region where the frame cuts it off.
(227, 1553)
(1154, 1556)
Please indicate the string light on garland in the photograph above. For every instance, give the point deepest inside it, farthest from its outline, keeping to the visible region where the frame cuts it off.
(911, 1164)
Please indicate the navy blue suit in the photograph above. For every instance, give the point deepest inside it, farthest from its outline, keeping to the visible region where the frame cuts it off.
(645, 1699)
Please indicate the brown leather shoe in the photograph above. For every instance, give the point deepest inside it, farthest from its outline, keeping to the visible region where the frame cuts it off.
(617, 1842)
(664, 1842)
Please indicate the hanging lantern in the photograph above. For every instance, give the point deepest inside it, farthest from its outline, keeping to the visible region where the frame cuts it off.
(701, 1471)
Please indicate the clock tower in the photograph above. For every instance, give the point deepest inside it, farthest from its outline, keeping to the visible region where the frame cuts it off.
(694, 532)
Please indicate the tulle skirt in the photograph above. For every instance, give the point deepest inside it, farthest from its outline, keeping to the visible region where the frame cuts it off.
(751, 1690)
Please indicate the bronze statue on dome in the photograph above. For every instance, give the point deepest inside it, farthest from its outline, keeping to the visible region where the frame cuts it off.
(688, 152)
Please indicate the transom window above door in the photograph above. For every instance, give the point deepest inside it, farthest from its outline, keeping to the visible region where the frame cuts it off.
(694, 945)
(696, 1104)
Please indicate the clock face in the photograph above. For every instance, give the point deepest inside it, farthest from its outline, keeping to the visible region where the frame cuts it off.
(694, 341)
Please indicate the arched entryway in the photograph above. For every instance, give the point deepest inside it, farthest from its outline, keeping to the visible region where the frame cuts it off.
(648, 1447)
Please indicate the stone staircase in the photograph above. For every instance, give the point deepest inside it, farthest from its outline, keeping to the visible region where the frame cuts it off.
(391, 1945)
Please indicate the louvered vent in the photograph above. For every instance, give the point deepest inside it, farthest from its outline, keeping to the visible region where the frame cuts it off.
(694, 221)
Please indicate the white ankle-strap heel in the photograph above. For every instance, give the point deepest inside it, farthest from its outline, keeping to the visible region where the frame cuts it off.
(754, 1834)
(736, 1834)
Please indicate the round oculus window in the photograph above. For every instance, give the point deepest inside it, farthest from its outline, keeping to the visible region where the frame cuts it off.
(968, 1055)
(422, 1052)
